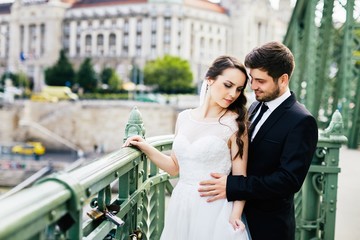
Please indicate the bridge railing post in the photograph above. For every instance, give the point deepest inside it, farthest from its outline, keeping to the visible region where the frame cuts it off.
(319, 192)
(135, 125)
(148, 212)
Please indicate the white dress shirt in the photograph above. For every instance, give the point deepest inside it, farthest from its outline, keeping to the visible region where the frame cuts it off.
(273, 104)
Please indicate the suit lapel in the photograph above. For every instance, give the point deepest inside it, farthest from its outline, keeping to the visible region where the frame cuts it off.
(254, 107)
(274, 117)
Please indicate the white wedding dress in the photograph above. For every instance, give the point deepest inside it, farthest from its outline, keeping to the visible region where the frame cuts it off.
(201, 148)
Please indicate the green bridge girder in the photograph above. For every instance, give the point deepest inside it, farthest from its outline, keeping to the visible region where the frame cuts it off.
(324, 36)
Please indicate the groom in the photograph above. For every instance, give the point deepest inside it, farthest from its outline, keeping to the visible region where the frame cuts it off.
(281, 146)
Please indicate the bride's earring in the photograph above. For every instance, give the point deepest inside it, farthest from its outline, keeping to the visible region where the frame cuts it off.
(208, 84)
(208, 90)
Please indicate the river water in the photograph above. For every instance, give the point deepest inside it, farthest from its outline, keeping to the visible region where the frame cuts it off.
(12, 167)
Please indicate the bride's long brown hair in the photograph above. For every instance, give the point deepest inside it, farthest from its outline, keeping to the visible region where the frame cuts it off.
(239, 105)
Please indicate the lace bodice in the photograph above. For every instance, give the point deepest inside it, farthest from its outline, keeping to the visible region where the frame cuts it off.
(201, 147)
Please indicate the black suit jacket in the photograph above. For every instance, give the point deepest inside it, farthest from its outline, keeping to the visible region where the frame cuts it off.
(279, 159)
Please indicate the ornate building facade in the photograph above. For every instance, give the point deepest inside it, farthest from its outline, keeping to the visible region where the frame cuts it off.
(124, 33)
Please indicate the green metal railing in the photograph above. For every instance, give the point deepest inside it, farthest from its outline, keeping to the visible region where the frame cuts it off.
(316, 201)
(56, 206)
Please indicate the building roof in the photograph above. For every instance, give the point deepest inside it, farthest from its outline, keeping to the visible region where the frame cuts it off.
(97, 3)
(204, 4)
(69, 1)
(5, 8)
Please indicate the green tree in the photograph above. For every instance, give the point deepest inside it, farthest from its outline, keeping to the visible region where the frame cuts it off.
(8, 75)
(18, 79)
(86, 76)
(114, 81)
(169, 74)
(61, 74)
(105, 75)
(22, 80)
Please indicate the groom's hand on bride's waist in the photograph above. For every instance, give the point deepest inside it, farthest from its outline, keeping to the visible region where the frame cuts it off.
(214, 188)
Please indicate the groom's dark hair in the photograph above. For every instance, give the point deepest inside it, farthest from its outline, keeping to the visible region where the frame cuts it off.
(273, 57)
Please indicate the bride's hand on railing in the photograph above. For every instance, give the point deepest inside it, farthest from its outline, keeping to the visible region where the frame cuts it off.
(135, 141)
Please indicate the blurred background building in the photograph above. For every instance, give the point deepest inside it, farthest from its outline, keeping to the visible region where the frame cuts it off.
(123, 34)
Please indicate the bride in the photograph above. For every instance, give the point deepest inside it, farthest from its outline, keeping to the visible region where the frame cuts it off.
(210, 138)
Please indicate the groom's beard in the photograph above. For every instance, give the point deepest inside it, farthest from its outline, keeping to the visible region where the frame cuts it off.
(269, 96)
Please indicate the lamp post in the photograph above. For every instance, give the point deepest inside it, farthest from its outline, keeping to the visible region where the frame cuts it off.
(9, 89)
(5, 36)
(7, 81)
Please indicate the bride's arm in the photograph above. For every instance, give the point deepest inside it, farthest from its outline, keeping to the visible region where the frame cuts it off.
(238, 168)
(163, 161)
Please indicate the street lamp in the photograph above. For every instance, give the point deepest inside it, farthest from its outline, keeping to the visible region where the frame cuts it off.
(9, 89)
(5, 35)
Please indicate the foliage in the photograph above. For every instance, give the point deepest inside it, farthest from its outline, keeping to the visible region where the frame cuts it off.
(8, 75)
(169, 74)
(105, 75)
(22, 80)
(18, 79)
(61, 74)
(86, 76)
(357, 50)
(109, 77)
(114, 81)
(109, 96)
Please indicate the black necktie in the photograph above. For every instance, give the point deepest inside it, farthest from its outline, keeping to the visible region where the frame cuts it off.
(263, 109)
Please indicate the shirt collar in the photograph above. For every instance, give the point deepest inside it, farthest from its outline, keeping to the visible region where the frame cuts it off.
(273, 104)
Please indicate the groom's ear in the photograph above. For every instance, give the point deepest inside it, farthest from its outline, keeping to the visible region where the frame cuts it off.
(284, 80)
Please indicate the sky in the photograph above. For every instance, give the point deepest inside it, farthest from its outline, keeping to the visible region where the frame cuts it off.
(274, 2)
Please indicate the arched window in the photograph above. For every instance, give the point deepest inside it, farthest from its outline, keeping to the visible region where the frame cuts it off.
(42, 39)
(32, 40)
(112, 44)
(220, 48)
(88, 44)
(100, 44)
(202, 47)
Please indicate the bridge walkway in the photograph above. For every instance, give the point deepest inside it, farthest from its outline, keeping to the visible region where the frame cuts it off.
(348, 210)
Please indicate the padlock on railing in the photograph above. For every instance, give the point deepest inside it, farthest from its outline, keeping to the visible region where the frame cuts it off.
(108, 213)
(136, 235)
(115, 219)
